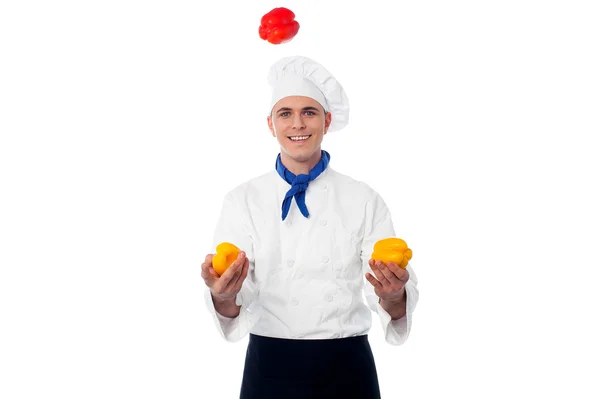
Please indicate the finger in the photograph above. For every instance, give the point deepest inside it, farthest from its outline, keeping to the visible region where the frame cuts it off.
(385, 269)
(206, 266)
(239, 268)
(400, 273)
(240, 281)
(378, 273)
(213, 272)
(396, 284)
(230, 274)
(374, 282)
(207, 261)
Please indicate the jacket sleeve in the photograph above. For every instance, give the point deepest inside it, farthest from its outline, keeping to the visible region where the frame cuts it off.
(232, 227)
(378, 225)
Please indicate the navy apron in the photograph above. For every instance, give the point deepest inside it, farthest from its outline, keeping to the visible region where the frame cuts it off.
(277, 368)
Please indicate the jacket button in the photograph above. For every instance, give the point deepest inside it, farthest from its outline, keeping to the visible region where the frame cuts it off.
(294, 302)
(290, 263)
(329, 298)
(323, 222)
(325, 259)
(324, 186)
(299, 275)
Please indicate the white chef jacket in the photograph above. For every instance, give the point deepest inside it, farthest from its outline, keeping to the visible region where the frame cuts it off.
(306, 277)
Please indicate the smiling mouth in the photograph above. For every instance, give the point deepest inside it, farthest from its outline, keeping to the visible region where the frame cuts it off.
(299, 139)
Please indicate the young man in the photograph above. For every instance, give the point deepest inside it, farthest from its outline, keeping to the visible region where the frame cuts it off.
(307, 233)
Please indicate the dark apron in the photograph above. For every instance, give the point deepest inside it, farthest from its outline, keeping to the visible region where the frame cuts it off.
(277, 368)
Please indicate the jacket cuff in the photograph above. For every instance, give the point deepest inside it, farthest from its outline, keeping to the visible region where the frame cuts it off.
(233, 329)
(396, 332)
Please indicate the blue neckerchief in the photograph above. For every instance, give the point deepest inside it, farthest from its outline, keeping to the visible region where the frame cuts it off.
(299, 183)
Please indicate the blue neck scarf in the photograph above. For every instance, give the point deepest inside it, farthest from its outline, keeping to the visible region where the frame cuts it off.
(299, 183)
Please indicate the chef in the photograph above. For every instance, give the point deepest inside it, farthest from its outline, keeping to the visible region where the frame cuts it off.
(306, 234)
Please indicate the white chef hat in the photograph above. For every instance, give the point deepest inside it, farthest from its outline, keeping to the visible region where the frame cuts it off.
(301, 76)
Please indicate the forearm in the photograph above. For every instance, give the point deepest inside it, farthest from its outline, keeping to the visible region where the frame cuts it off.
(396, 309)
(226, 308)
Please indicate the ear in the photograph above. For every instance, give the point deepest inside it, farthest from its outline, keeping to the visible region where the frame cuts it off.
(327, 122)
(270, 123)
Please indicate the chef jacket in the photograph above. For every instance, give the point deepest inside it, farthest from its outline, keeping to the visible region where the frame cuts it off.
(306, 276)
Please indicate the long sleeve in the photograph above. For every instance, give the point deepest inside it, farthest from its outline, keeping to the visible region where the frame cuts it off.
(378, 225)
(232, 227)
(397, 331)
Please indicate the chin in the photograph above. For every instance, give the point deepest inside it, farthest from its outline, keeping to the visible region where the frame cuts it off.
(300, 155)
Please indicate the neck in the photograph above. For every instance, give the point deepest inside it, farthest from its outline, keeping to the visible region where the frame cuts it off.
(300, 167)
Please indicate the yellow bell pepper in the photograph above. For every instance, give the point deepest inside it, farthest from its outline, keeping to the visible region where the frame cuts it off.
(226, 254)
(392, 250)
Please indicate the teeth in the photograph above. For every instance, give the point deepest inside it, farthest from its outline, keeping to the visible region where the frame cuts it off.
(299, 138)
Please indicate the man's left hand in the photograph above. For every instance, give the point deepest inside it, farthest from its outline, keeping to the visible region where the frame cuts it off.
(389, 284)
(390, 281)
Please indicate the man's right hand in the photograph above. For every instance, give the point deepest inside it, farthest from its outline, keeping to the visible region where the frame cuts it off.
(226, 287)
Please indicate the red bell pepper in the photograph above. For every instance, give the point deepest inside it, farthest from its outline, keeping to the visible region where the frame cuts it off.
(278, 26)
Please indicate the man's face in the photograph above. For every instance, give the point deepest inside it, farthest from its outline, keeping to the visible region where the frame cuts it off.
(299, 123)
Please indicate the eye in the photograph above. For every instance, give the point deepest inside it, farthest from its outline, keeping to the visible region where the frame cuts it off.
(284, 114)
(310, 113)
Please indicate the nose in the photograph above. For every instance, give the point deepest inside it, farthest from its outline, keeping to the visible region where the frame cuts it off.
(298, 122)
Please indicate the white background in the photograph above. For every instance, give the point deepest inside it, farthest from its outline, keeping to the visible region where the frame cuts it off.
(123, 124)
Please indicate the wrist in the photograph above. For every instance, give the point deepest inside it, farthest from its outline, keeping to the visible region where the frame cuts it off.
(226, 307)
(222, 301)
(395, 308)
(399, 299)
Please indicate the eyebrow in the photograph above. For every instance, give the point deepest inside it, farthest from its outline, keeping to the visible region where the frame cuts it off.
(310, 108)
